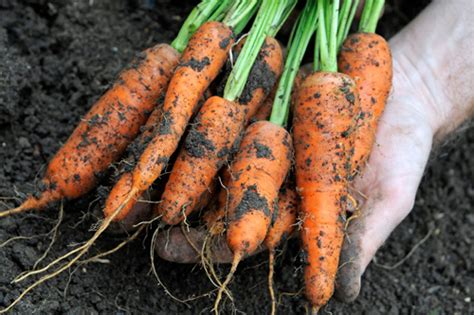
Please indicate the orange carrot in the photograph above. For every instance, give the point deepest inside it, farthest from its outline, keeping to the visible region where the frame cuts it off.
(323, 129)
(260, 167)
(200, 63)
(206, 148)
(367, 59)
(104, 133)
(212, 137)
(262, 78)
(283, 225)
(322, 125)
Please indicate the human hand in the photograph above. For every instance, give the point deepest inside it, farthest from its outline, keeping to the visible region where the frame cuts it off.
(428, 101)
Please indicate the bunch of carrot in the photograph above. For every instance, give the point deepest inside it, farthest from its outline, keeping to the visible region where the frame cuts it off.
(161, 114)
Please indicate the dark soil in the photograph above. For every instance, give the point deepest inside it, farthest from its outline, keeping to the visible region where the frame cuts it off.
(57, 57)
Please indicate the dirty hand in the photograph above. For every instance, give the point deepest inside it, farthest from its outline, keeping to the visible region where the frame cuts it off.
(430, 98)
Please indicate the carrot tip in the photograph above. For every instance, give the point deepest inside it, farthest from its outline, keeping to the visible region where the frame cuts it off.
(235, 263)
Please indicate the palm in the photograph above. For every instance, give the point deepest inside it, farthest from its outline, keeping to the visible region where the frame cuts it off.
(387, 188)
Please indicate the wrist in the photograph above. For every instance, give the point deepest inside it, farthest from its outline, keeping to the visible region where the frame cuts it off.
(433, 62)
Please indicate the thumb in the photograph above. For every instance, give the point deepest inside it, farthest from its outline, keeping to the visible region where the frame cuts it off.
(369, 229)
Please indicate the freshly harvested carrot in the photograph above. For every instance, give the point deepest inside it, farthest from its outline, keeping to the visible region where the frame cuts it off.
(262, 163)
(262, 78)
(214, 135)
(200, 63)
(366, 57)
(323, 124)
(205, 150)
(106, 130)
(281, 228)
(260, 166)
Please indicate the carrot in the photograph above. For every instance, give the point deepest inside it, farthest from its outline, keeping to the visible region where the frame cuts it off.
(200, 63)
(106, 130)
(213, 137)
(284, 221)
(206, 147)
(323, 124)
(263, 159)
(262, 78)
(366, 57)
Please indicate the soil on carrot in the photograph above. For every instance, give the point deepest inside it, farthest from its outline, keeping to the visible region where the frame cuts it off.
(57, 57)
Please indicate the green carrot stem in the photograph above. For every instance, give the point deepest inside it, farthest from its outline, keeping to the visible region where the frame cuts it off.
(280, 17)
(299, 39)
(196, 18)
(333, 35)
(220, 11)
(343, 17)
(260, 29)
(347, 27)
(322, 37)
(240, 13)
(346, 17)
(372, 19)
(365, 13)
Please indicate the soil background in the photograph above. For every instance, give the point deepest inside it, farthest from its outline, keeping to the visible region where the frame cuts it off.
(58, 57)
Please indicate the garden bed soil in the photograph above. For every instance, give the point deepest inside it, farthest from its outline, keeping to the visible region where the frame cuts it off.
(57, 57)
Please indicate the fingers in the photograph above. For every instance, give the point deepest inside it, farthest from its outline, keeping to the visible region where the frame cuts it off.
(186, 246)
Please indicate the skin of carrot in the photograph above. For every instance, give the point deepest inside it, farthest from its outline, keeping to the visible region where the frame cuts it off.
(284, 219)
(217, 133)
(262, 78)
(134, 208)
(323, 125)
(200, 63)
(366, 57)
(210, 139)
(264, 111)
(105, 131)
(263, 161)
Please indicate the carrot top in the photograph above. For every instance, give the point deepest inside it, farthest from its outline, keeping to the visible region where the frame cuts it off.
(346, 16)
(370, 15)
(240, 13)
(268, 21)
(206, 10)
(333, 26)
(300, 36)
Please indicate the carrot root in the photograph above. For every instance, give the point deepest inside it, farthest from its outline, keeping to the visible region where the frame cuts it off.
(233, 268)
(271, 263)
